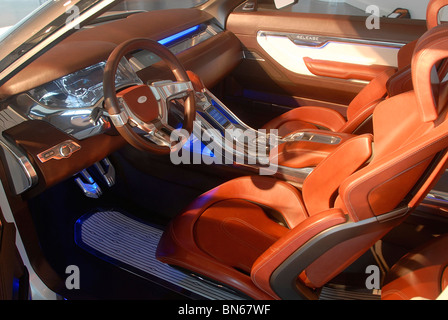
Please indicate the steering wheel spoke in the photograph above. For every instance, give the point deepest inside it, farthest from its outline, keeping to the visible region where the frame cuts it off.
(169, 90)
(166, 91)
(159, 137)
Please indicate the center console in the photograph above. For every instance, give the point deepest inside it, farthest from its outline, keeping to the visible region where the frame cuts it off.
(231, 141)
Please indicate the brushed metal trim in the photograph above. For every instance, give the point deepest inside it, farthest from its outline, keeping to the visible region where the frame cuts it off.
(321, 41)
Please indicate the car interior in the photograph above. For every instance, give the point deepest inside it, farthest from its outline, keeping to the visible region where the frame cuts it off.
(355, 175)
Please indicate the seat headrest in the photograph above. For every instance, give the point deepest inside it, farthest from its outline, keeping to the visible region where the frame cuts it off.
(432, 12)
(429, 50)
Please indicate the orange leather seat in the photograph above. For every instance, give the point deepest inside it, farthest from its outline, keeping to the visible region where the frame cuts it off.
(268, 240)
(387, 83)
(421, 274)
(432, 20)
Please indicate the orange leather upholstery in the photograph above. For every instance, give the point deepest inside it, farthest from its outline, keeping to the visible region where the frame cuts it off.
(358, 111)
(432, 20)
(266, 264)
(422, 273)
(432, 12)
(404, 55)
(306, 118)
(388, 82)
(401, 81)
(239, 245)
(269, 240)
(179, 245)
(304, 153)
(344, 70)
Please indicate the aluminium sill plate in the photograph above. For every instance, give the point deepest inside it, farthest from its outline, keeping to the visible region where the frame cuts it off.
(131, 244)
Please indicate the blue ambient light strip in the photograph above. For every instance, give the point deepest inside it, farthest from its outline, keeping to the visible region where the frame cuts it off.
(178, 35)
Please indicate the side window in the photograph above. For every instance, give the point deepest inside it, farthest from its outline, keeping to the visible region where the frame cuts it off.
(384, 8)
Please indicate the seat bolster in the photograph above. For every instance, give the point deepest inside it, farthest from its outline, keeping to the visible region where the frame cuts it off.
(374, 91)
(405, 53)
(266, 264)
(432, 13)
(320, 116)
(359, 120)
(428, 51)
(277, 195)
(288, 127)
(400, 82)
(318, 191)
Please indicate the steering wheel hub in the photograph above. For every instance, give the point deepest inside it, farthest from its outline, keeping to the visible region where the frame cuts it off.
(141, 102)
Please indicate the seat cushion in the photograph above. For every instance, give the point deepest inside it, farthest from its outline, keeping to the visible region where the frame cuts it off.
(236, 232)
(306, 117)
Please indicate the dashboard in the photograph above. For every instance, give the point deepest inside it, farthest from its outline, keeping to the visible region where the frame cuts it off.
(59, 97)
(82, 89)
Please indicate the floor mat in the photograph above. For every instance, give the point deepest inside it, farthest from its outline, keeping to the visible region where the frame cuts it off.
(131, 244)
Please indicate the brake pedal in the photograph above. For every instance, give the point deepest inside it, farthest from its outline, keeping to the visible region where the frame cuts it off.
(106, 170)
(90, 188)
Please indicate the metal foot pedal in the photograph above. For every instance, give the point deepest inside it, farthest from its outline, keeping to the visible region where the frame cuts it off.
(102, 170)
(106, 171)
(90, 188)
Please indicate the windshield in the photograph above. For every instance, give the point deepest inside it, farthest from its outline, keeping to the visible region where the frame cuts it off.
(12, 11)
(29, 27)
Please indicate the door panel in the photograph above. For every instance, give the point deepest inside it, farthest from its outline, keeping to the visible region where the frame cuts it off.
(290, 50)
(344, 70)
(314, 59)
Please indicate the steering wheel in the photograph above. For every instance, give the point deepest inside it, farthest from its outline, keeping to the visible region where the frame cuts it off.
(146, 106)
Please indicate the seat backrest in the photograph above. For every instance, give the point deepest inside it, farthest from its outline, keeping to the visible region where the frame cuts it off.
(389, 83)
(362, 106)
(432, 12)
(401, 125)
(432, 20)
(407, 156)
(409, 131)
